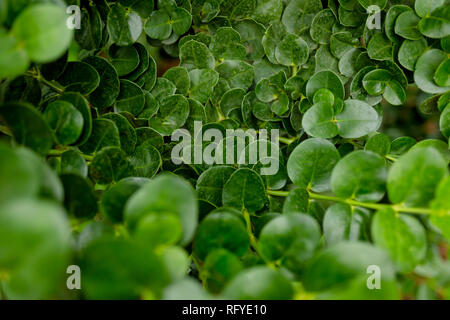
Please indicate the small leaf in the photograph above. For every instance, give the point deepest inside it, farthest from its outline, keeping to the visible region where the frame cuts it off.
(311, 163)
(402, 236)
(244, 190)
(360, 175)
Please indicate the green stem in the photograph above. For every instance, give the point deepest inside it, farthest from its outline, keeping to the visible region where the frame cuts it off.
(35, 73)
(374, 206)
(253, 241)
(286, 140)
(391, 158)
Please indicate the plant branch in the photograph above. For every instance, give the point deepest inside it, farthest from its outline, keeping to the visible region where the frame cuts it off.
(374, 206)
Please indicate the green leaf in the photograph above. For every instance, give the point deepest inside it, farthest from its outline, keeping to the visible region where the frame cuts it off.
(298, 14)
(89, 36)
(131, 98)
(226, 44)
(110, 165)
(221, 266)
(42, 225)
(380, 47)
(347, 262)
(425, 7)
(444, 122)
(344, 223)
(82, 105)
(325, 79)
(65, 121)
(79, 77)
(402, 236)
(221, 230)
(144, 62)
(413, 178)
(394, 93)
(238, 74)
(410, 51)
(158, 25)
(292, 238)
(179, 76)
(426, 67)
(267, 11)
(259, 283)
(114, 198)
(391, 18)
(442, 74)
(202, 83)
(108, 89)
(292, 51)
(360, 175)
(14, 60)
(406, 26)
(124, 59)
(28, 127)
(157, 198)
(311, 163)
(130, 269)
(356, 119)
(104, 134)
(244, 190)
(146, 161)
(274, 34)
(319, 122)
(251, 33)
(79, 197)
(378, 143)
(321, 27)
(181, 20)
(124, 26)
(195, 55)
(440, 207)
(73, 162)
(127, 133)
(436, 25)
(41, 28)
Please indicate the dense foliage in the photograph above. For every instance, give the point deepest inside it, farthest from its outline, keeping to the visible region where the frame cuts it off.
(87, 178)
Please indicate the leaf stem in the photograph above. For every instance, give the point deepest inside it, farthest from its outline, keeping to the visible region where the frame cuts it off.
(391, 158)
(286, 140)
(253, 241)
(374, 206)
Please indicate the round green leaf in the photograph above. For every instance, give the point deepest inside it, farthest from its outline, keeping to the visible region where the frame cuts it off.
(426, 67)
(221, 230)
(402, 236)
(158, 25)
(413, 178)
(158, 197)
(356, 119)
(292, 51)
(360, 175)
(114, 198)
(65, 121)
(42, 30)
(259, 283)
(124, 59)
(28, 127)
(244, 190)
(108, 90)
(131, 98)
(124, 26)
(311, 163)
